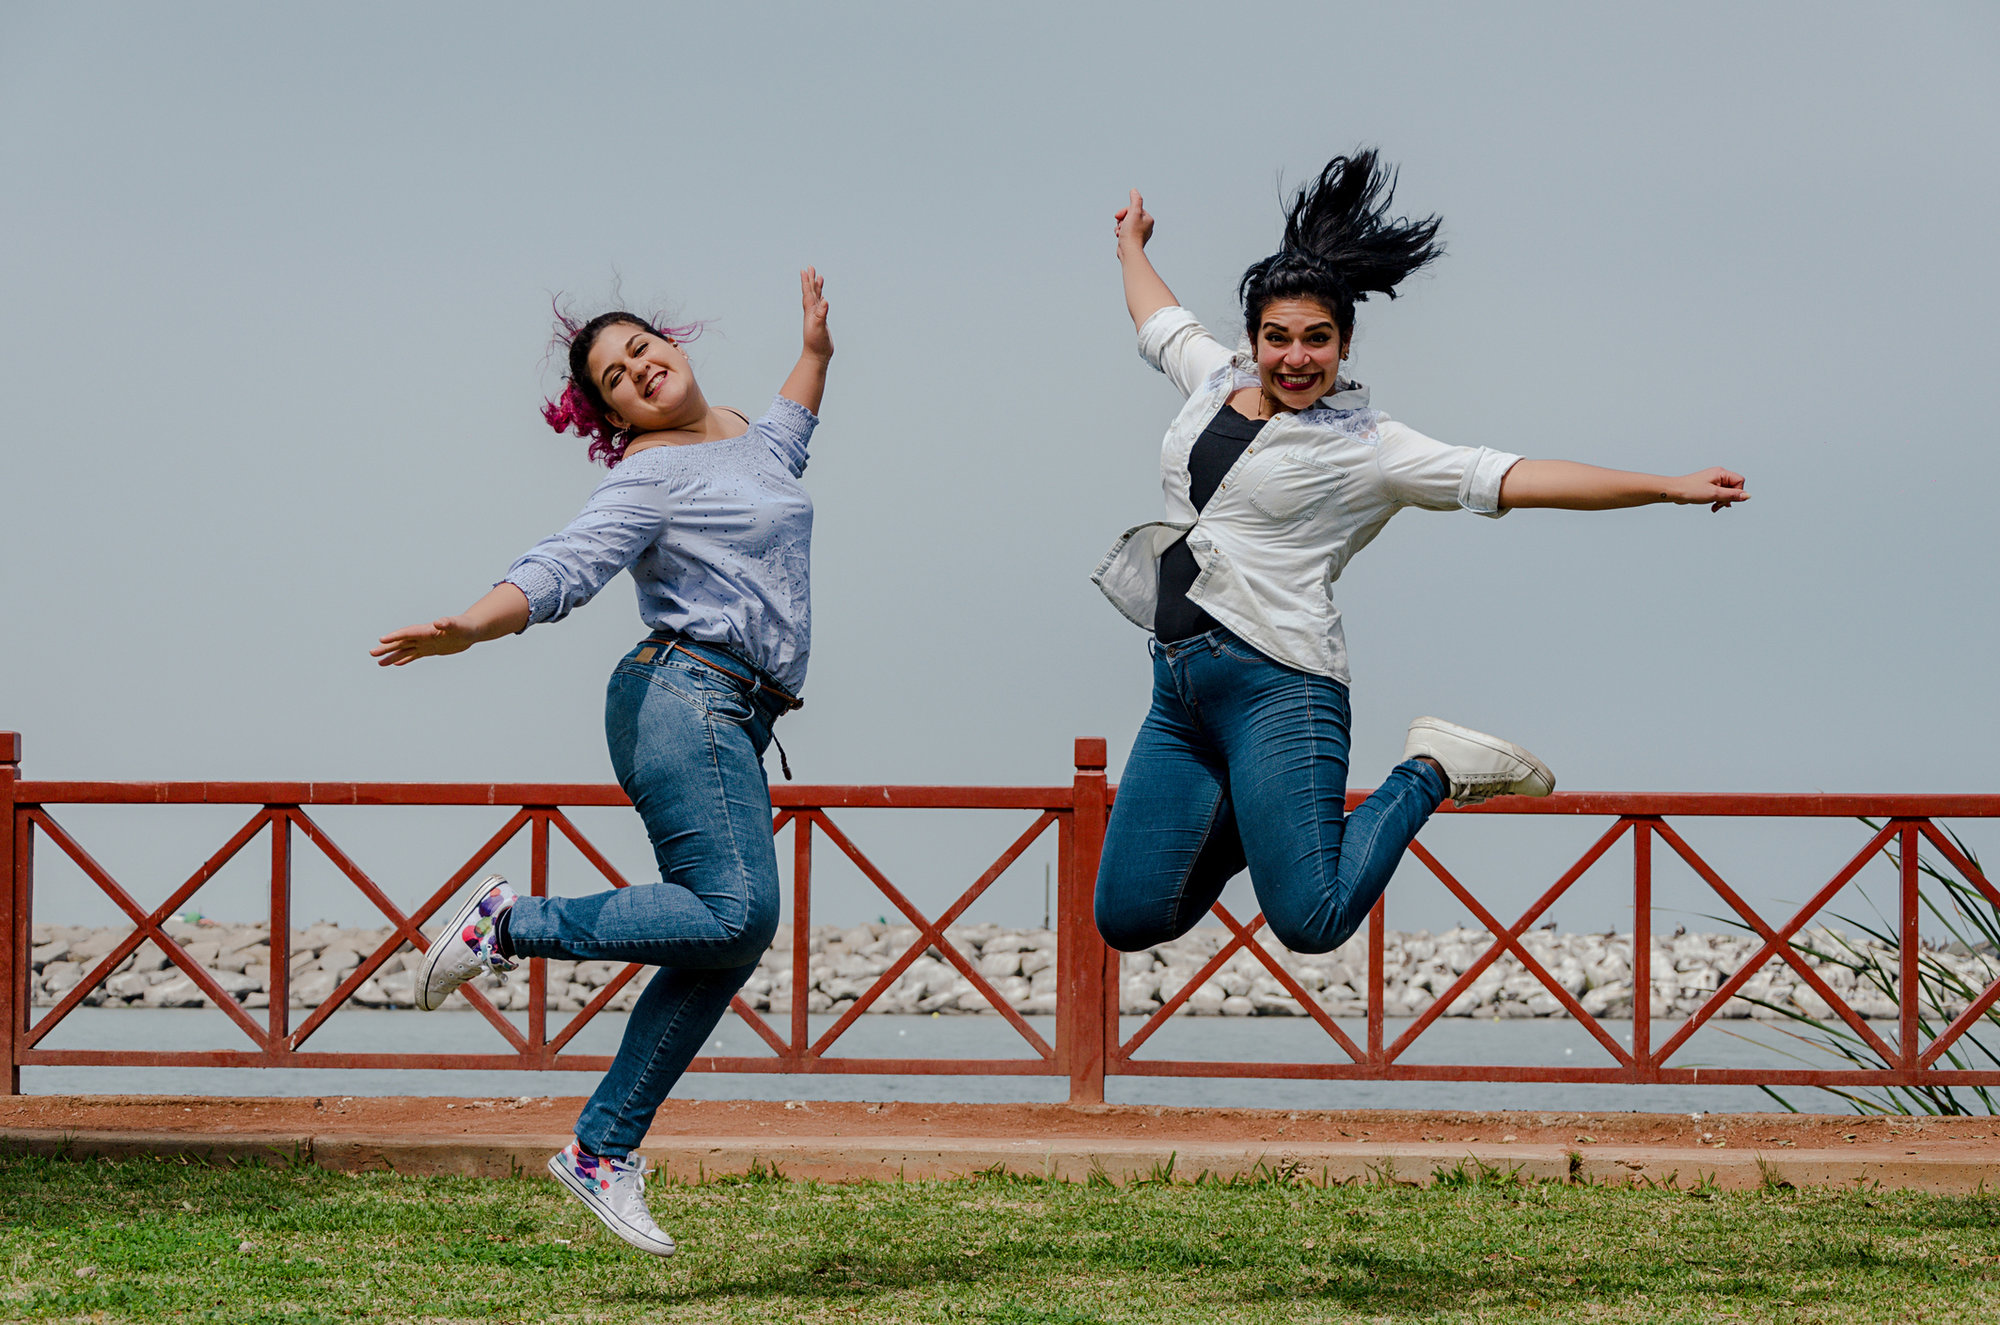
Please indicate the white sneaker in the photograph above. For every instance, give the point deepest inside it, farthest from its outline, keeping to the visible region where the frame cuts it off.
(615, 1191)
(466, 946)
(1478, 765)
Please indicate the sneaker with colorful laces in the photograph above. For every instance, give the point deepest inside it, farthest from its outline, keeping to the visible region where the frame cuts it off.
(615, 1191)
(467, 945)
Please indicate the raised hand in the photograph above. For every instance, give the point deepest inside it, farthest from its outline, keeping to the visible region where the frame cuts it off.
(1134, 225)
(808, 380)
(812, 288)
(447, 634)
(1718, 487)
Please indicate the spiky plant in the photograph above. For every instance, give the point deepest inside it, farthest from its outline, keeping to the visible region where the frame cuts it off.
(1872, 950)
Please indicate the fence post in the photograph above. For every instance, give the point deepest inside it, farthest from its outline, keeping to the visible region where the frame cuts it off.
(1089, 1004)
(16, 938)
(1909, 948)
(278, 985)
(1642, 945)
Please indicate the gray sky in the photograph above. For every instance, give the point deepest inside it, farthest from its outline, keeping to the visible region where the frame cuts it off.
(274, 316)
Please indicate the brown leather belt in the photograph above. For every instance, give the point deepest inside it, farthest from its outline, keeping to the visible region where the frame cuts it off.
(754, 680)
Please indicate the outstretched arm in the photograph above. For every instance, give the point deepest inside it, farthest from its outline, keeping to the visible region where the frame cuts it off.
(503, 611)
(1145, 293)
(1567, 485)
(808, 380)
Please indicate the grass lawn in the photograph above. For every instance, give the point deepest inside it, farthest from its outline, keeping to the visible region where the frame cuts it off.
(167, 1240)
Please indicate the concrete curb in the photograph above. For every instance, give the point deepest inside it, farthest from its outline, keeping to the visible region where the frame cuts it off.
(1961, 1170)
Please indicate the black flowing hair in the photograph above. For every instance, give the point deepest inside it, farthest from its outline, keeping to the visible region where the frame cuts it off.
(1340, 246)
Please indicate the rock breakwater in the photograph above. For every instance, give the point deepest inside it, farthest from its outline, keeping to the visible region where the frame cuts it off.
(843, 963)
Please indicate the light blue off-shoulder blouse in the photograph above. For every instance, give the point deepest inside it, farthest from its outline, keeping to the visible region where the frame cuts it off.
(718, 538)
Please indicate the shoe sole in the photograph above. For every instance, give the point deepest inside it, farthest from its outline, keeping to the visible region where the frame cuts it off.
(435, 953)
(1487, 742)
(630, 1236)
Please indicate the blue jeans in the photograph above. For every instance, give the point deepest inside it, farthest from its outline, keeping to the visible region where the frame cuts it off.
(1244, 761)
(687, 743)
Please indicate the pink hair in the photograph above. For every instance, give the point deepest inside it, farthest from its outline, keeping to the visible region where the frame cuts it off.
(580, 408)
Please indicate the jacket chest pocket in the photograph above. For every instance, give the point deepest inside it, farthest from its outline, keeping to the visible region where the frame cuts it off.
(1294, 486)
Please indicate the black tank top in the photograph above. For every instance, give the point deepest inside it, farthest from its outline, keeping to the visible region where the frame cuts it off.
(1220, 445)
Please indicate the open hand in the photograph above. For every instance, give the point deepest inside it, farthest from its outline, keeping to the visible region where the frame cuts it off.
(1134, 224)
(812, 287)
(445, 635)
(1718, 487)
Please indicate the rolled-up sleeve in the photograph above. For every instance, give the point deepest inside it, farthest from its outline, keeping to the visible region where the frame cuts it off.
(786, 427)
(1174, 341)
(1421, 471)
(565, 570)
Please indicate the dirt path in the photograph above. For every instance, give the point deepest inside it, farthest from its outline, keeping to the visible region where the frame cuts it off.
(392, 1116)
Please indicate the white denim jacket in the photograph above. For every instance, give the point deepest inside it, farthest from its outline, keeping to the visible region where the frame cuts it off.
(1312, 490)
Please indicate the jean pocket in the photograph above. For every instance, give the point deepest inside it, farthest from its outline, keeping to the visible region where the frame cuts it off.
(680, 682)
(724, 698)
(1236, 648)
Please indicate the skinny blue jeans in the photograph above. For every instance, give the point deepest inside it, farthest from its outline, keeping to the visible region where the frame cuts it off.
(687, 742)
(1243, 761)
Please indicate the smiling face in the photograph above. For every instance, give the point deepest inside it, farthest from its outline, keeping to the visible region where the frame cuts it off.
(644, 380)
(1299, 349)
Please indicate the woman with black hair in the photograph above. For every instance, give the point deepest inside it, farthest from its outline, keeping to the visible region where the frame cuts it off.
(1276, 473)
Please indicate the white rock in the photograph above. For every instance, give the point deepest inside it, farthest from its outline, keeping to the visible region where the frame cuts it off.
(310, 989)
(1612, 999)
(994, 965)
(371, 995)
(59, 977)
(1010, 941)
(148, 957)
(235, 982)
(180, 993)
(1013, 988)
(1276, 1004)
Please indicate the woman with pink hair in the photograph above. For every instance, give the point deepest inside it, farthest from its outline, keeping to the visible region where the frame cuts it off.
(704, 507)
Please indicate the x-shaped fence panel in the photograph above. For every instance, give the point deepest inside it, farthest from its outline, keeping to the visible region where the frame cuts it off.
(276, 1043)
(1908, 1062)
(283, 811)
(1087, 1045)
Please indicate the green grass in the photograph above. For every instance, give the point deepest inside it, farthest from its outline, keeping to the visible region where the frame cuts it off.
(164, 1240)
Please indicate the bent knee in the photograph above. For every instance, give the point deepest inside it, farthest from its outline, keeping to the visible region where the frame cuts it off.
(1309, 940)
(747, 934)
(1124, 934)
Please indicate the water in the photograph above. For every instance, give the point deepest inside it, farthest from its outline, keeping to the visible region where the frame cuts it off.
(1273, 1039)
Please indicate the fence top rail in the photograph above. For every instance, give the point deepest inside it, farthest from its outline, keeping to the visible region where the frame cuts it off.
(890, 796)
(567, 794)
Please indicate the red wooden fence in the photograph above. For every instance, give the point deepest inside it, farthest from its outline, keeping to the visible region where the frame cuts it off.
(1089, 1044)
